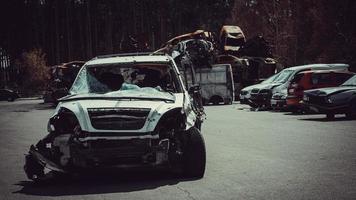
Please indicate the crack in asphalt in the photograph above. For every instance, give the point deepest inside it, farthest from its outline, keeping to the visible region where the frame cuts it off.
(189, 195)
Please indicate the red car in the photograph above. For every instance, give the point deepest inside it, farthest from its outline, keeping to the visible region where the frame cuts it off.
(307, 80)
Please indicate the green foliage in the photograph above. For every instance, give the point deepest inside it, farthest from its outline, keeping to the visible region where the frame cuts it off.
(34, 72)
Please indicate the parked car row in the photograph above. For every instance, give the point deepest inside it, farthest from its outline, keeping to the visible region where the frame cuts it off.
(322, 88)
(8, 95)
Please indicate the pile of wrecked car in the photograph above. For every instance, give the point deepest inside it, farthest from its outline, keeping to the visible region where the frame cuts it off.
(62, 77)
(250, 60)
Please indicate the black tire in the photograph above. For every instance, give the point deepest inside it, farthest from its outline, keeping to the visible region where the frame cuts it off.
(228, 102)
(10, 99)
(215, 101)
(33, 169)
(204, 102)
(330, 116)
(351, 114)
(194, 155)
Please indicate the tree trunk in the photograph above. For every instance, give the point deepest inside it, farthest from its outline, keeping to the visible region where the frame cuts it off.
(88, 30)
(56, 29)
(68, 31)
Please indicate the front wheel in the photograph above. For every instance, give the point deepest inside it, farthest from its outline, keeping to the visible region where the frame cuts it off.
(330, 116)
(33, 169)
(194, 155)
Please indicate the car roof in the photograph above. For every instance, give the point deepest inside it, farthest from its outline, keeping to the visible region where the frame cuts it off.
(129, 59)
(315, 66)
(4, 89)
(317, 71)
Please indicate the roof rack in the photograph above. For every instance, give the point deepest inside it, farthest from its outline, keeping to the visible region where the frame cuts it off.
(130, 54)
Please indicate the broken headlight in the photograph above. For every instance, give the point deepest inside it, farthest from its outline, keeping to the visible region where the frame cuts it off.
(50, 127)
(329, 100)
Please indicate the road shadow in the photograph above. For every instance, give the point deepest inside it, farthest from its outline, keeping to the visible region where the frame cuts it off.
(299, 113)
(216, 105)
(278, 111)
(324, 119)
(101, 183)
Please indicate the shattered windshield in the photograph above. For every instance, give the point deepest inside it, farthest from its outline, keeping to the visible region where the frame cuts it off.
(111, 78)
(350, 82)
(283, 76)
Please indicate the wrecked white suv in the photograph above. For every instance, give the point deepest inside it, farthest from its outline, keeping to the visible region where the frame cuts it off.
(123, 111)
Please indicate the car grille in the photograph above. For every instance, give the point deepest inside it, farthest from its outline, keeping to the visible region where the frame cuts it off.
(112, 152)
(118, 118)
(255, 90)
(265, 91)
(278, 96)
(107, 144)
(320, 100)
(244, 92)
(119, 148)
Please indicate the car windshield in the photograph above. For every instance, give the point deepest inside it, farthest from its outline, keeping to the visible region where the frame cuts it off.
(283, 76)
(111, 78)
(270, 79)
(350, 82)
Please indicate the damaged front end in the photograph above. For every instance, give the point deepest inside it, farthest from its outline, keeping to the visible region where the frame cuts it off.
(123, 112)
(124, 138)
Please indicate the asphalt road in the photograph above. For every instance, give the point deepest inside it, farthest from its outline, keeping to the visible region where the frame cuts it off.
(250, 155)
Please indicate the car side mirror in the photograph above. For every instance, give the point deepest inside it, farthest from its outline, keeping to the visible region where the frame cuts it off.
(194, 89)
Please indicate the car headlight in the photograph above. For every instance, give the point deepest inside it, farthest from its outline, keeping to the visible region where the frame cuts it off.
(329, 100)
(50, 127)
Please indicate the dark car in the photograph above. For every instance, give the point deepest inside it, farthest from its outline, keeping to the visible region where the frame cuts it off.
(9, 95)
(308, 80)
(333, 100)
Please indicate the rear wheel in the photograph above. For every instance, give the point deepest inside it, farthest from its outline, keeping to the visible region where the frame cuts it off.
(351, 114)
(10, 99)
(330, 116)
(204, 102)
(194, 155)
(216, 99)
(228, 102)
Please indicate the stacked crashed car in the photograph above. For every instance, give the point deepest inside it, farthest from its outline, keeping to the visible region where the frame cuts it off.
(123, 112)
(333, 100)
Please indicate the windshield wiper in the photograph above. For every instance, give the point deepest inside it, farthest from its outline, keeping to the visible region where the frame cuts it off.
(349, 85)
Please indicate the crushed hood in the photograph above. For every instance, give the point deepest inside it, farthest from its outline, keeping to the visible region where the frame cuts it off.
(157, 102)
(141, 93)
